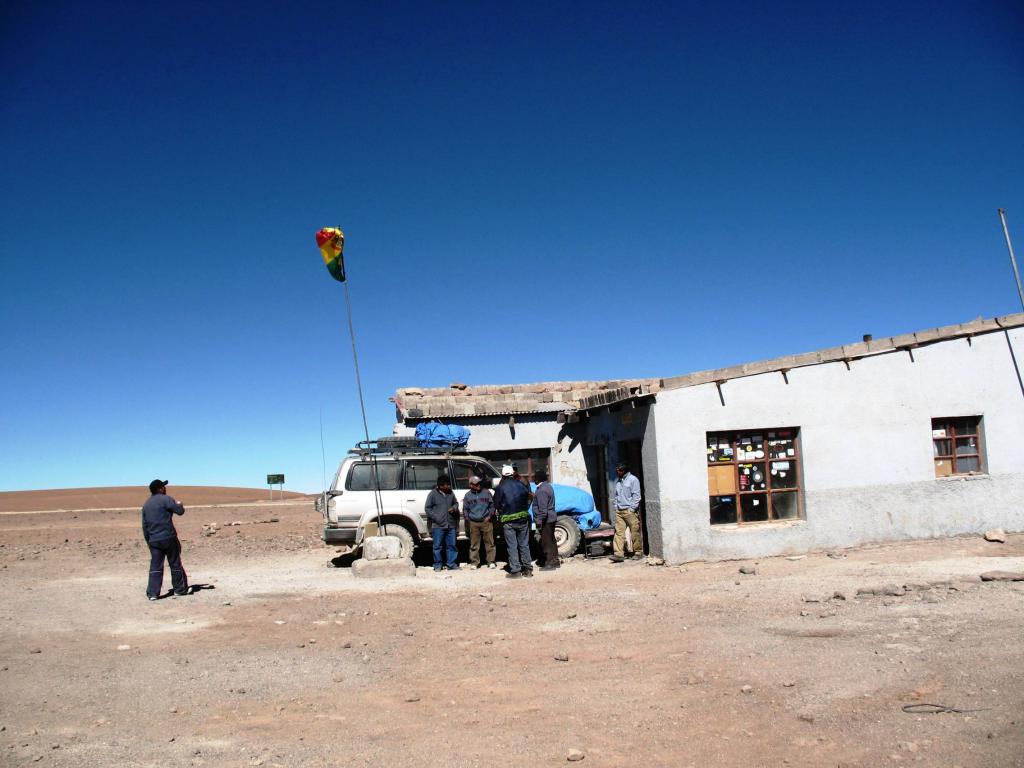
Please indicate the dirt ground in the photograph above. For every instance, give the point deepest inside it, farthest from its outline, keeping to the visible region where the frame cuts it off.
(287, 660)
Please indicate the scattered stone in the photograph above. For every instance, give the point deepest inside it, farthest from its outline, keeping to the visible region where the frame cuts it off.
(571, 616)
(747, 689)
(487, 596)
(574, 755)
(909, 746)
(893, 590)
(806, 718)
(279, 622)
(408, 633)
(837, 595)
(836, 555)
(1002, 576)
(748, 570)
(996, 534)
(347, 644)
(412, 698)
(36, 650)
(788, 684)
(794, 558)
(805, 613)
(889, 601)
(124, 647)
(811, 599)
(383, 569)
(651, 560)
(561, 656)
(865, 591)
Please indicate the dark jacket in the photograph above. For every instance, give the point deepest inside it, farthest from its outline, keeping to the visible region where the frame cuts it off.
(157, 514)
(478, 506)
(439, 509)
(544, 504)
(511, 500)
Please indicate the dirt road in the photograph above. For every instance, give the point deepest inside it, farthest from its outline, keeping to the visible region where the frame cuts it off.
(289, 661)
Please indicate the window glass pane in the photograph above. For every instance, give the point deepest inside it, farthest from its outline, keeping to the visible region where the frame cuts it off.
(421, 475)
(943, 467)
(966, 445)
(971, 464)
(750, 447)
(942, 447)
(719, 448)
(723, 510)
(465, 469)
(752, 477)
(968, 426)
(783, 474)
(361, 476)
(781, 448)
(785, 506)
(754, 507)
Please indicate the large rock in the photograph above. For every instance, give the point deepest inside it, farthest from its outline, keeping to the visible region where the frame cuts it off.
(384, 569)
(382, 548)
(996, 534)
(1002, 576)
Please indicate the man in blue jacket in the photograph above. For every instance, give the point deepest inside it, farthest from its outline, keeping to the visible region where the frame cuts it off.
(512, 506)
(158, 530)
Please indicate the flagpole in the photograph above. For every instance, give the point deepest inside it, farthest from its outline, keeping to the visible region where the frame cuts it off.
(362, 408)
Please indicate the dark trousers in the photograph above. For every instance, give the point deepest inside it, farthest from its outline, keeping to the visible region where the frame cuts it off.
(170, 549)
(548, 545)
(517, 542)
(444, 543)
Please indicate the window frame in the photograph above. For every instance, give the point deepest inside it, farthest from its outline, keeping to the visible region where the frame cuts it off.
(369, 463)
(736, 438)
(443, 469)
(947, 425)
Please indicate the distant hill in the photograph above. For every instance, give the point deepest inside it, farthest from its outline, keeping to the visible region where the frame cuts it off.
(130, 496)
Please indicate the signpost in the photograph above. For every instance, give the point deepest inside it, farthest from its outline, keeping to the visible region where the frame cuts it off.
(273, 480)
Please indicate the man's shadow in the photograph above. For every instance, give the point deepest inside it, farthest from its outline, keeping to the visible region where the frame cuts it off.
(192, 589)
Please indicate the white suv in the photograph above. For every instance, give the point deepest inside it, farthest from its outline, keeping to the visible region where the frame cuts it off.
(406, 476)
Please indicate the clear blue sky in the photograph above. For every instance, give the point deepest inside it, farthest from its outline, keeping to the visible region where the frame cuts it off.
(531, 191)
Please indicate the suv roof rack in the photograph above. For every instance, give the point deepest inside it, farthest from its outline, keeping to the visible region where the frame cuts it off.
(398, 445)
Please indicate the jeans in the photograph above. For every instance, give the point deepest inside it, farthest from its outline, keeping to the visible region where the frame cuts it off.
(444, 539)
(517, 541)
(158, 550)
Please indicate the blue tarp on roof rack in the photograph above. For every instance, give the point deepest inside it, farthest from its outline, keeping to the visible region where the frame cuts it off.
(434, 434)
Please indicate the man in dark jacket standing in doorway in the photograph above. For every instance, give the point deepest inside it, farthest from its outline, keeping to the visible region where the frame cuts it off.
(158, 530)
(544, 516)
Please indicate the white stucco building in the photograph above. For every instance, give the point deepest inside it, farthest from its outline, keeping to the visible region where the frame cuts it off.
(913, 436)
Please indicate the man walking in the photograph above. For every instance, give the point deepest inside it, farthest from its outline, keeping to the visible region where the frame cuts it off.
(627, 512)
(442, 510)
(544, 516)
(158, 530)
(478, 510)
(512, 506)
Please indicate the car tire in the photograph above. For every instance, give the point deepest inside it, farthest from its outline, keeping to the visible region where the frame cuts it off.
(403, 534)
(567, 536)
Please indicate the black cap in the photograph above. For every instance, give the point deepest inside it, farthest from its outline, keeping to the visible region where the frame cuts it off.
(623, 466)
(156, 485)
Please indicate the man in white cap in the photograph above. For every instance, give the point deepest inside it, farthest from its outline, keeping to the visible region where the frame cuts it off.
(478, 511)
(512, 506)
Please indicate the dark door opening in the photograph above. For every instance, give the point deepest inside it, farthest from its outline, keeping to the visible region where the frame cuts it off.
(630, 451)
(596, 458)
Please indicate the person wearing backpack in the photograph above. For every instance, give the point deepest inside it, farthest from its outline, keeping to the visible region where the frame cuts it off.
(478, 511)
(512, 506)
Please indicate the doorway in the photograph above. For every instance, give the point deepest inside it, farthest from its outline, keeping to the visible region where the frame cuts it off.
(631, 452)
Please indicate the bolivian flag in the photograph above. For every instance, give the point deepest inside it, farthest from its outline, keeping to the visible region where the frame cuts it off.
(331, 242)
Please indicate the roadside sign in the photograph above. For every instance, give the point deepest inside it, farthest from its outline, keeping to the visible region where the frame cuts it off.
(275, 479)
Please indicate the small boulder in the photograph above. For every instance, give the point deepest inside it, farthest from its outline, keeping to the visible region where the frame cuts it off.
(996, 534)
(382, 548)
(748, 570)
(561, 656)
(574, 755)
(383, 569)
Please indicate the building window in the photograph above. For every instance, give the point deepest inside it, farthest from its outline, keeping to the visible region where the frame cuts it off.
(754, 477)
(957, 446)
(525, 462)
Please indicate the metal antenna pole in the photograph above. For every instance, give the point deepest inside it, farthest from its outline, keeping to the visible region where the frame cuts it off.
(1013, 259)
(362, 407)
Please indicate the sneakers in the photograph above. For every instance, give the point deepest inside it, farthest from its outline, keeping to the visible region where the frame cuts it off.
(491, 565)
(617, 558)
(453, 567)
(513, 575)
(528, 573)
(151, 597)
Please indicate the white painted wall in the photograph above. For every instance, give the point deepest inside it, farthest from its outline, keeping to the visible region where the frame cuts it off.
(867, 464)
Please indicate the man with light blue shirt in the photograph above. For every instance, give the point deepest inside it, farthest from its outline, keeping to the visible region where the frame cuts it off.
(627, 512)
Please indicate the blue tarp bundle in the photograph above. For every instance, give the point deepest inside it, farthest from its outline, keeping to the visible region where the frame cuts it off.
(434, 434)
(578, 504)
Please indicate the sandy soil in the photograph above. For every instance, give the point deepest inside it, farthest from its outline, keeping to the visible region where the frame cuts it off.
(290, 661)
(131, 497)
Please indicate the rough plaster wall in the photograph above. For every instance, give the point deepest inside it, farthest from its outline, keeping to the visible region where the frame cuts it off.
(652, 490)
(867, 451)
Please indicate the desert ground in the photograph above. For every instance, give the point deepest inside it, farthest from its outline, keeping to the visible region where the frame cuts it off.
(283, 658)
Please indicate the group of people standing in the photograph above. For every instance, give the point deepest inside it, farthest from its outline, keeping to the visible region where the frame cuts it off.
(508, 506)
